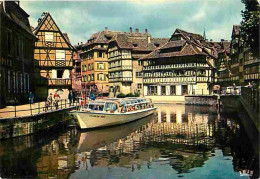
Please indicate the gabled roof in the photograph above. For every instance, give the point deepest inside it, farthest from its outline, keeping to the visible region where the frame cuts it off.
(137, 41)
(41, 22)
(16, 14)
(191, 44)
(101, 37)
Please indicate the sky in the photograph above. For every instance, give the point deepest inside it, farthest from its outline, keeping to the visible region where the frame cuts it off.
(80, 19)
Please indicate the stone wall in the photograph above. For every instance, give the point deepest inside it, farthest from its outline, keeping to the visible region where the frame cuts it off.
(201, 100)
(14, 127)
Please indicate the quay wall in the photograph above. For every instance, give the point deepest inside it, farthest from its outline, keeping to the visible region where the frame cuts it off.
(20, 126)
(167, 99)
(201, 100)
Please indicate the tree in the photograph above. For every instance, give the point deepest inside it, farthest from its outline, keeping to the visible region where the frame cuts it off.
(250, 25)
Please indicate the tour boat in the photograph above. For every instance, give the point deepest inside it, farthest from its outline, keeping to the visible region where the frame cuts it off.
(112, 111)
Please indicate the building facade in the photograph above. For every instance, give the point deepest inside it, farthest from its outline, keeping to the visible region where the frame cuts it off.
(53, 55)
(244, 68)
(183, 66)
(222, 63)
(16, 54)
(76, 71)
(235, 55)
(124, 50)
(94, 65)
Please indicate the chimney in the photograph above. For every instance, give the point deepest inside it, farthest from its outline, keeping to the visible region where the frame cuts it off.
(78, 43)
(211, 40)
(148, 39)
(106, 28)
(131, 30)
(222, 40)
(137, 30)
(146, 31)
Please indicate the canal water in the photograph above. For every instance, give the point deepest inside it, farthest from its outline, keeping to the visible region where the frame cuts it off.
(177, 142)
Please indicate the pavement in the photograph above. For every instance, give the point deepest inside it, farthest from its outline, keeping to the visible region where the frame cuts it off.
(26, 109)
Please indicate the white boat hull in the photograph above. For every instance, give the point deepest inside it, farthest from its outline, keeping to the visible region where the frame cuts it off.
(88, 120)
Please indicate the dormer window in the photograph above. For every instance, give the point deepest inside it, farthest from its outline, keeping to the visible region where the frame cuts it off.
(176, 37)
(135, 45)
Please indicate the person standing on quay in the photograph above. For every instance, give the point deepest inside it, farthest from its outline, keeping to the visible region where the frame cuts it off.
(31, 98)
(70, 97)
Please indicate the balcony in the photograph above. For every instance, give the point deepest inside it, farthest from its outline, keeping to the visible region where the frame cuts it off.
(190, 80)
(175, 66)
(59, 82)
(252, 76)
(119, 68)
(53, 63)
(252, 61)
(116, 68)
(120, 79)
(114, 58)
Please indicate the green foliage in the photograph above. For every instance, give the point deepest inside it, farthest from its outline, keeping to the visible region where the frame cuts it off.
(121, 95)
(250, 25)
(130, 95)
(137, 94)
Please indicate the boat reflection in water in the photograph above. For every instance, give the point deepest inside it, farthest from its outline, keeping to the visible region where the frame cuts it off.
(95, 139)
(182, 137)
(179, 141)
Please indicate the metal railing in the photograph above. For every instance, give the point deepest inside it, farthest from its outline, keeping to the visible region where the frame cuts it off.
(37, 108)
(251, 97)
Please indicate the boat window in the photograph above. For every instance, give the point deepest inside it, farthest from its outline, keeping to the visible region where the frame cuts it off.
(111, 106)
(98, 107)
(91, 106)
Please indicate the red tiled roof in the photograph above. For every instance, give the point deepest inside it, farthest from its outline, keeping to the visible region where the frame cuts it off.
(192, 44)
(138, 41)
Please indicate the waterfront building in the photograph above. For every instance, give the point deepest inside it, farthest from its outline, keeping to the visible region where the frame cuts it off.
(182, 66)
(76, 71)
(94, 67)
(235, 55)
(53, 55)
(16, 54)
(243, 66)
(124, 50)
(222, 62)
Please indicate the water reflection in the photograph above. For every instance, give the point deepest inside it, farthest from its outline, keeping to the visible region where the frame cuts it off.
(179, 141)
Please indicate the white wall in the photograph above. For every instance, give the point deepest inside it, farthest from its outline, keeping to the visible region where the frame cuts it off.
(178, 89)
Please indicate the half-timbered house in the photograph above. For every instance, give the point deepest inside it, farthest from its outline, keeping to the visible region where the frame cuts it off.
(183, 66)
(53, 55)
(124, 51)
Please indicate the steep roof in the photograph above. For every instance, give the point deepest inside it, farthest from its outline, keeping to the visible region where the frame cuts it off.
(53, 27)
(189, 45)
(67, 37)
(101, 37)
(16, 14)
(138, 41)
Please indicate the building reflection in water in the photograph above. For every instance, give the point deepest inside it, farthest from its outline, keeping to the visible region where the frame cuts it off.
(183, 137)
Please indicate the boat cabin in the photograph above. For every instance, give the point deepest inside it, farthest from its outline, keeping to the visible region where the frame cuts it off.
(115, 105)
